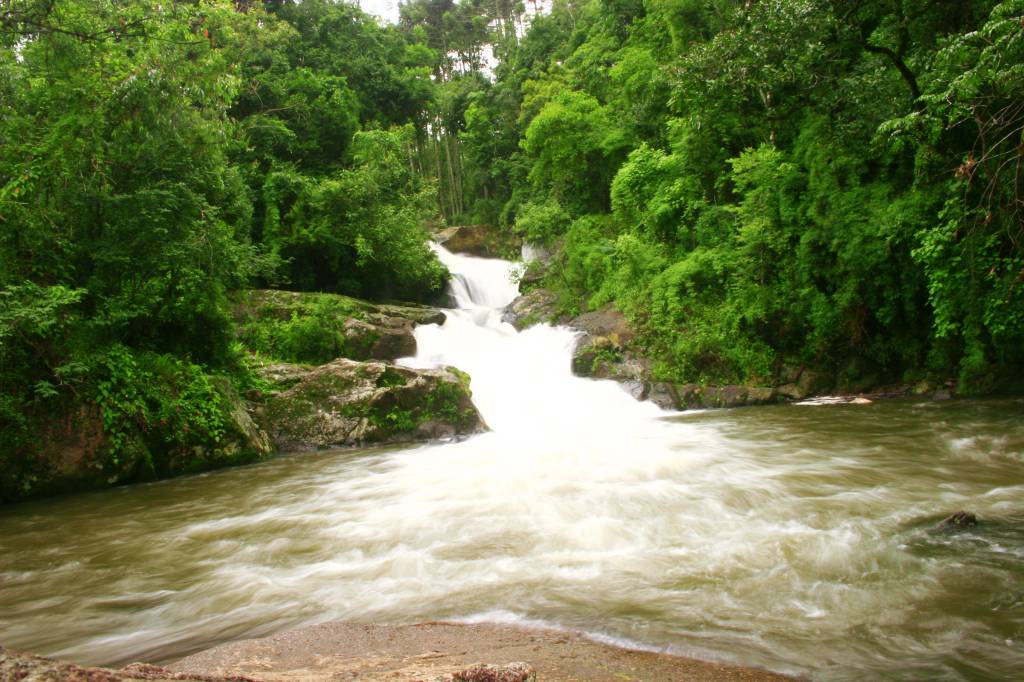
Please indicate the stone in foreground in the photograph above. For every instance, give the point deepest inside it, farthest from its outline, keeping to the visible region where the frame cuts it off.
(347, 403)
(513, 672)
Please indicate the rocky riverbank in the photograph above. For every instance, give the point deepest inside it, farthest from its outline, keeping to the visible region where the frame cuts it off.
(318, 373)
(608, 348)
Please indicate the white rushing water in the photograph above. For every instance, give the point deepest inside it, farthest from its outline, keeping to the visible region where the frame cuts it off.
(794, 538)
(521, 382)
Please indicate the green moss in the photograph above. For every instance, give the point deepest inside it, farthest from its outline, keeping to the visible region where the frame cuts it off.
(390, 377)
(293, 327)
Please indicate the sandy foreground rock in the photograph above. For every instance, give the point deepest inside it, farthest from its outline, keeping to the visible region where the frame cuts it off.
(432, 651)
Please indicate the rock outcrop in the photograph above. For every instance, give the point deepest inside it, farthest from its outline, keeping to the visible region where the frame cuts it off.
(606, 349)
(316, 327)
(74, 451)
(346, 403)
(477, 240)
(534, 307)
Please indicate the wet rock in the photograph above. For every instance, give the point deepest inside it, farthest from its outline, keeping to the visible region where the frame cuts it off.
(534, 307)
(74, 451)
(513, 672)
(242, 434)
(477, 240)
(959, 521)
(664, 395)
(797, 383)
(604, 350)
(695, 396)
(638, 389)
(942, 394)
(861, 400)
(347, 403)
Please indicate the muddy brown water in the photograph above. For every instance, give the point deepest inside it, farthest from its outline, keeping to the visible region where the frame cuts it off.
(799, 539)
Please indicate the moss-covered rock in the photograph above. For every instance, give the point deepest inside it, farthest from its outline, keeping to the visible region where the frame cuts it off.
(90, 446)
(315, 328)
(479, 240)
(347, 403)
(538, 306)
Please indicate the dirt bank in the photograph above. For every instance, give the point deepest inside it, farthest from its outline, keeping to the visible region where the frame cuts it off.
(407, 653)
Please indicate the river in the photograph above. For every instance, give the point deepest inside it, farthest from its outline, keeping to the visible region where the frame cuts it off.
(796, 538)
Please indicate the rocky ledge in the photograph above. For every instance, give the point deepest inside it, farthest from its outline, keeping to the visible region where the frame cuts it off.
(318, 327)
(347, 403)
(477, 240)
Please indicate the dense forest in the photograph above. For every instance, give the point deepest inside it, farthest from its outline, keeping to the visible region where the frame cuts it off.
(753, 183)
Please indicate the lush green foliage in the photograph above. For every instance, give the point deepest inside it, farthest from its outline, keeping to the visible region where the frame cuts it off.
(157, 155)
(771, 183)
(756, 184)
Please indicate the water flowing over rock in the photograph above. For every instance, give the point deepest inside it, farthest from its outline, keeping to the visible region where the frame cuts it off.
(346, 403)
(959, 521)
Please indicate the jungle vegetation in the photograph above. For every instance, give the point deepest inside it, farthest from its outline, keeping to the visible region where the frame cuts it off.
(755, 183)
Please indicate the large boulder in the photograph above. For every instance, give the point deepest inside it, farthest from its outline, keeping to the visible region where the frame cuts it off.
(477, 240)
(315, 327)
(534, 307)
(603, 349)
(346, 403)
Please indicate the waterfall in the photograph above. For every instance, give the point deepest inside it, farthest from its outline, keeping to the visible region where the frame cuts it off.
(521, 381)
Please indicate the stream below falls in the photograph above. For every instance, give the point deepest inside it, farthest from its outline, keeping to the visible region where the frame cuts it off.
(800, 539)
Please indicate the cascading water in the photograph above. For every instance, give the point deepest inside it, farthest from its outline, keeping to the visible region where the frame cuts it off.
(795, 538)
(522, 383)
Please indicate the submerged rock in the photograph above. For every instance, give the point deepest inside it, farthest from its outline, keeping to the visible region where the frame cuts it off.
(347, 403)
(959, 521)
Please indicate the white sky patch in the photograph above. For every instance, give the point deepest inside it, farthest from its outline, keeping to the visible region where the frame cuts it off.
(385, 9)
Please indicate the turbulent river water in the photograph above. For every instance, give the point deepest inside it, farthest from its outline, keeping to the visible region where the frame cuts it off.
(800, 539)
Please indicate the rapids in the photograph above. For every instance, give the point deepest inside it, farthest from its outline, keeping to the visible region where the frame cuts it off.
(796, 538)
